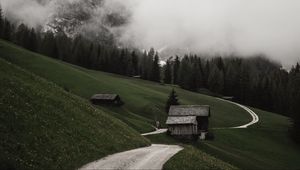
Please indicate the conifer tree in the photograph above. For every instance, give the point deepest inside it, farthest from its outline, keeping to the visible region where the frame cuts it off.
(215, 80)
(184, 74)
(295, 106)
(144, 67)
(32, 40)
(135, 62)
(7, 30)
(1, 21)
(155, 69)
(172, 100)
(176, 70)
(49, 46)
(168, 73)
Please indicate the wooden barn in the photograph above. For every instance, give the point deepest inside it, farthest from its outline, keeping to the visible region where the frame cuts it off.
(188, 121)
(106, 99)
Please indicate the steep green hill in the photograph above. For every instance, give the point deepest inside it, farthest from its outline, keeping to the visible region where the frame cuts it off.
(144, 100)
(44, 127)
(265, 145)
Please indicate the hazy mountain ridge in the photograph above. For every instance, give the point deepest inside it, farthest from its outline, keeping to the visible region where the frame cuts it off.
(93, 19)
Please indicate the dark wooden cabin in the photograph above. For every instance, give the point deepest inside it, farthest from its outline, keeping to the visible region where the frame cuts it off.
(188, 121)
(106, 99)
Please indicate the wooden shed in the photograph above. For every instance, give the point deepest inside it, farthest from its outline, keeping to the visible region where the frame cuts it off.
(188, 120)
(106, 99)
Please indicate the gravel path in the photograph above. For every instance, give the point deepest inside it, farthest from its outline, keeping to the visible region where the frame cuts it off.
(152, 157)
(254, 116)
(157, 131)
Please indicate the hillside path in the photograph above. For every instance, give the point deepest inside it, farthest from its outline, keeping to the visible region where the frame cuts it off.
(254, 116)
(152, 157)
(157, 131)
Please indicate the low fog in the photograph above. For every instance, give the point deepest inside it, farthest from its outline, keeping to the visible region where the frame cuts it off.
(243, 27)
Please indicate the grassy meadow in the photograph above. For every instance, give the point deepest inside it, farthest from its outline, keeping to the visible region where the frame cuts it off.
(144, 100)
(42, 126)
(265, 145)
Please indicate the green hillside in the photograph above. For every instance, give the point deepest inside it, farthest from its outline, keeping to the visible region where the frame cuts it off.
(144, 100)
(265, 145)
(44, 127)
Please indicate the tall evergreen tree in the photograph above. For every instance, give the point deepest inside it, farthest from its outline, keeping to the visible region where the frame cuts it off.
(49, 46)
(7, 30)
(32, 40)
(149, 64)
(196, 76)
(185, 73)
(64, 45)
(1, 21)
(295, 106)
(168, 72)
(172, 100)
(144, 66)
(215, 80)
(244, 83)
(206, 73)
(231, 79)
(155, 73)
(176, 66)
(135, 63)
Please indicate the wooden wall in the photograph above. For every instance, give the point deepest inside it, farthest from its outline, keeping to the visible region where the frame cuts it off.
(188, 129)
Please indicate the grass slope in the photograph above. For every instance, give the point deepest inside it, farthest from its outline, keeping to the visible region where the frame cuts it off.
(265, 145)
(144, 100)
(44, 127)
(192, 158)
(262, 146)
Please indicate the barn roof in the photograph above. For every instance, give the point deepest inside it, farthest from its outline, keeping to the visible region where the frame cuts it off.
(104, 96)
(181, 120)
(189, 110)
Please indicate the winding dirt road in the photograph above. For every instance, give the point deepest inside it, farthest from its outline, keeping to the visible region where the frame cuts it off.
(152, 157)
(157, 131)
(254, 116)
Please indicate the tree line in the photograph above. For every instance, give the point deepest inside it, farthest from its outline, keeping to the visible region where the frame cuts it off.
(253, 81)
(84, 52)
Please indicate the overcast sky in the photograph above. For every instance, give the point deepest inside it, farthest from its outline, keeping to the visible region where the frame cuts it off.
(216, 26)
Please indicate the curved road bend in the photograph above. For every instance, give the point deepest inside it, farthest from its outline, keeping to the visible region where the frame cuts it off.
(152, 157)
(254, 116)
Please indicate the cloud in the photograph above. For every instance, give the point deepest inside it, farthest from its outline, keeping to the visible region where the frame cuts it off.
(31, 12)
(243, 27)
(218, 26)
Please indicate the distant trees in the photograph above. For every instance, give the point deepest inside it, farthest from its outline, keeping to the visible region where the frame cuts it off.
(254, 81)
(155, 72)
(295, 102)
(1, 21)
(168, 72)
(215, 80)
(172, 100)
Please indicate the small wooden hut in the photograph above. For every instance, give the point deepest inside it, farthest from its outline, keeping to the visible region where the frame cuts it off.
(188, 120)
(106, 99)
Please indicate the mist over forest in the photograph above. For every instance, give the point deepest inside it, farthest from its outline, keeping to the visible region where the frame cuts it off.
(211, 27)
(141, 80)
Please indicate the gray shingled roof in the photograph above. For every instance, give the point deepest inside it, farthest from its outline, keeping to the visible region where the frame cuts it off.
(181, 120)
(104, 96)
(189, 110)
